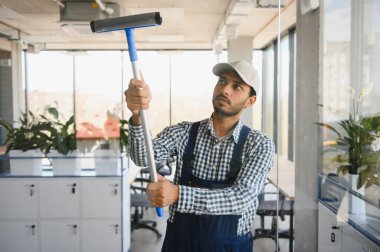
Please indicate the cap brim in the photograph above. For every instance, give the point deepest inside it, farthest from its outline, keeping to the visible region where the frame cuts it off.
(218, 69)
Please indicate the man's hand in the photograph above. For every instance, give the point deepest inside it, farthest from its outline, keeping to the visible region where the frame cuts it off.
(137, 96)
(162, 193)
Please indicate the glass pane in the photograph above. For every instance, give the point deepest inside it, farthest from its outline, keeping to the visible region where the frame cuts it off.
(50, 81)
(284, 98)
(155, 67)
(268, 92)
(351, 111)
(193, 85)
(257, 62)
(98, 95)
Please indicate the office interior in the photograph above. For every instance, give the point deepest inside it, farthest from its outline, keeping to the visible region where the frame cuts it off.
(320, 103)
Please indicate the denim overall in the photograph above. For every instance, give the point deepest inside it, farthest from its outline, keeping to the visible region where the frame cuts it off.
(207, 233)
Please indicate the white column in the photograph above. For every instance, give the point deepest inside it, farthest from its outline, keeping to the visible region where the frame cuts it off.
(241, 48)
(307, 138)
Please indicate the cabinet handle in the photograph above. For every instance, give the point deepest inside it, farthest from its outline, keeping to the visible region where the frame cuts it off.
(32, 228)
(332, 237)
(31, 190)
(115, 186)
(73, 187)
(74, 227)
(335, 227)
(116, 229)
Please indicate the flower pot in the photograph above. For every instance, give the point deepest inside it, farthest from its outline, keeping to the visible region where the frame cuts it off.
(25, 163)
(356, 204)
(65, 164)
(107, 162)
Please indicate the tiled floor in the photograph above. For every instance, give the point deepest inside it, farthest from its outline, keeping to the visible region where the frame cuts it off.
(144, 240)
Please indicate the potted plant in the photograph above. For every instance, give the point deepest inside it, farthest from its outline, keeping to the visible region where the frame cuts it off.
(63, 150)
(26, 144)
(357, 142)
(357, 148)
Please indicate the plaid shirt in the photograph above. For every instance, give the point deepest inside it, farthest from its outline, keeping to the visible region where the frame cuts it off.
(212, 159)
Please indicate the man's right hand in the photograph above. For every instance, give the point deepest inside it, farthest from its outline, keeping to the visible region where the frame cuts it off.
(137, 96)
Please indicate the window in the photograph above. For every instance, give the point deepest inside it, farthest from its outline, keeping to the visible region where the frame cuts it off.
(50, 81)
(181, 83)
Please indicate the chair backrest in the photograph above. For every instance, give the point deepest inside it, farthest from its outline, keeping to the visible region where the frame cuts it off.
(333, 189)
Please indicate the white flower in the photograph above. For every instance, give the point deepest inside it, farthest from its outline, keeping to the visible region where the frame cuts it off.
(375, 145)
(365, 90)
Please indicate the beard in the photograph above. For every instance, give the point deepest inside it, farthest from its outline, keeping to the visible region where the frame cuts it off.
(231, 110)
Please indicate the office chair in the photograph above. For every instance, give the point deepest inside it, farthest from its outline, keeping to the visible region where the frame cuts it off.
(139, 198)
(268, 207)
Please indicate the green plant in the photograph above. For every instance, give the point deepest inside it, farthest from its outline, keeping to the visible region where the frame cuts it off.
(30, 135)
(62, 134)
(123, 135)
(358, 144)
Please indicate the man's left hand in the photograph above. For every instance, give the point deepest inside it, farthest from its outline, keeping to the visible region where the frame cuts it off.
(162, 193)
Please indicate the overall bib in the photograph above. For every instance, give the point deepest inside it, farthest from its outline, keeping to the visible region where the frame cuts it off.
(207, 233)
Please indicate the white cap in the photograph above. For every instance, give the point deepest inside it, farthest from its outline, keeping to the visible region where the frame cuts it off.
(245, 70)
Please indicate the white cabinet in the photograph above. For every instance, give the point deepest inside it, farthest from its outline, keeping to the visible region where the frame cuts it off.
(60, 235)
(64, 214)
(16, 236)
(355, 242)
(59, 198)
(101, 235)
(334, 236)
(105, 203)
(18, 198)
(329, 235)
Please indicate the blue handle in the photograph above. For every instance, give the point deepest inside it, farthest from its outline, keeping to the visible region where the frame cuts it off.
(159, 211)
(133, 57)
(131, 44)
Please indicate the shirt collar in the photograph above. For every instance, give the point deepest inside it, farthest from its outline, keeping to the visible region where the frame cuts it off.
(209, 127)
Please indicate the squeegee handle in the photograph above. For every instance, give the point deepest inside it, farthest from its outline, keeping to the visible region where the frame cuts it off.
(144, 119)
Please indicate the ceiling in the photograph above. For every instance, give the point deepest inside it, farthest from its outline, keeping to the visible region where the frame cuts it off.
(187, 24)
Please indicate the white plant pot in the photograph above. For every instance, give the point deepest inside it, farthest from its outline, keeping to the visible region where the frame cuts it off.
(65, 164)
(107, 162)
(357, 205)
(25, 163)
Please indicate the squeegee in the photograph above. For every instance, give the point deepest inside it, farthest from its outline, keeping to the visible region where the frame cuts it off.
(128, 24)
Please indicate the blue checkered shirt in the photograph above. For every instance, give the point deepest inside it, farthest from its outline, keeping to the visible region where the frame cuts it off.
(212, 159)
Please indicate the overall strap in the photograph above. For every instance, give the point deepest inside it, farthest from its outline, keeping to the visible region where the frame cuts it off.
(236, 162)
(188, 155)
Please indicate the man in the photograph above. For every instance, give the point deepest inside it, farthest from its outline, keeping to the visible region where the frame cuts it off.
(221, 166)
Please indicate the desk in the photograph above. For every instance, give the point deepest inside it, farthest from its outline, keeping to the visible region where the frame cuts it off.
(283, 178)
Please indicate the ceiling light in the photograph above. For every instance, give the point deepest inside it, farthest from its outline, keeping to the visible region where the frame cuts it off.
(9, 14)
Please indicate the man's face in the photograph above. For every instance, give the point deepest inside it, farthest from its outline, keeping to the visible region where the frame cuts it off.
(231, 95)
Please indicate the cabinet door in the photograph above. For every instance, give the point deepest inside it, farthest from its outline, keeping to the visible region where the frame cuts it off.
(101, 198)
(354, 241)
(329, 233)
(60, 236)
(18, 198)
(59, 198)
(101, 235)
(16, 236)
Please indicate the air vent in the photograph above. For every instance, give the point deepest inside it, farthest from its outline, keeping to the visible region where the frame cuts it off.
(86, 11)
(75, 17)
